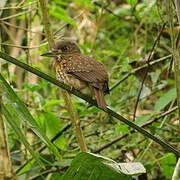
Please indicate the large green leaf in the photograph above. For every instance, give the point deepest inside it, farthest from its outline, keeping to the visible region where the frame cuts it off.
(25, 115)
(94, 167)
(168, 162)
(165, 99)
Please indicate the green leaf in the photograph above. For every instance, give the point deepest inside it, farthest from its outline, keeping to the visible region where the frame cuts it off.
(94, 167)
(25, 115)
(64, 3)
(60, 142)
(165, 99)
(168, 162)
(26, 167)
(53, 124)
(142, 120)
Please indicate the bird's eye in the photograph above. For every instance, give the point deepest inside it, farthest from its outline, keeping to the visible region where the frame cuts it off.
(65, 48)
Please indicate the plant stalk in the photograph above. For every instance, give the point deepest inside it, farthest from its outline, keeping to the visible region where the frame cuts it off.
(66, 96)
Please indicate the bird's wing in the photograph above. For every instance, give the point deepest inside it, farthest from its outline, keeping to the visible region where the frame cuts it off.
(87, 69)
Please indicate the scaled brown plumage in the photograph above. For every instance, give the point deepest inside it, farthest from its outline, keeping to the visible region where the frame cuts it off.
(79, 71)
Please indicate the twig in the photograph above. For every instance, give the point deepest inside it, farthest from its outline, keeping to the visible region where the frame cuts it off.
(79, 94)
(146, 73)
(66, 96)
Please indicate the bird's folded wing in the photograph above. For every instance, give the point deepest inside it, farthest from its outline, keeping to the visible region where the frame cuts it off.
(87, 69)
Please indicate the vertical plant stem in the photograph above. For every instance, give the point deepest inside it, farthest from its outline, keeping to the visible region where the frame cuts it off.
(175, 51)
(176, 174)
(66, 96)
(47, 25)
(75, 121)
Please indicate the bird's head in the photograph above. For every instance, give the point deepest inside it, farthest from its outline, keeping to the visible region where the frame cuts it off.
(63, 47)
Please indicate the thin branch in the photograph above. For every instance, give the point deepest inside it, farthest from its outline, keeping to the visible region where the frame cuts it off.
(24, 47)
(79, 94)
(146, 73)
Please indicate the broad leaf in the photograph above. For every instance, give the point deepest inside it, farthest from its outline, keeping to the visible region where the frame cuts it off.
(94, 167)
(168, 162)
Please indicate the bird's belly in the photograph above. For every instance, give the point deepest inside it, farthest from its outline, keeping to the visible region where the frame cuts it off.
(83, 86)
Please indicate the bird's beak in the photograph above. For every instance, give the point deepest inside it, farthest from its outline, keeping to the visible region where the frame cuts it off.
(53, 53)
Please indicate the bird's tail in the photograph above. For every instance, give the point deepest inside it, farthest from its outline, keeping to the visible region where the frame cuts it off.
(100, 98)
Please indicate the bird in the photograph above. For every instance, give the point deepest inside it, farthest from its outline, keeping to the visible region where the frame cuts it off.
(81, 72)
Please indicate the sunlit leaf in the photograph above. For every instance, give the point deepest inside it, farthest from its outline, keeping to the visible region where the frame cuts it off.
(168, 162)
